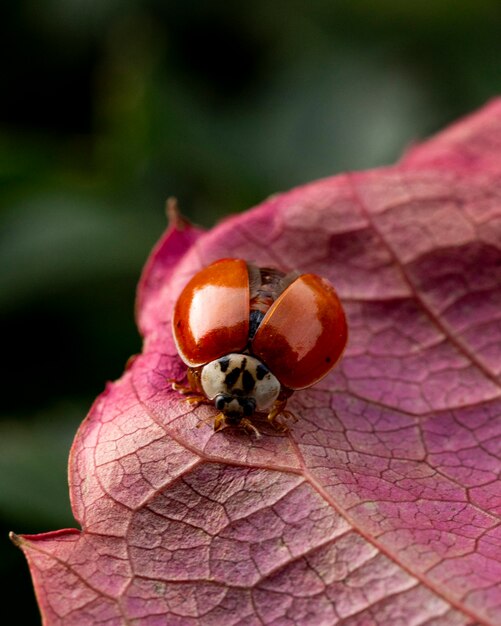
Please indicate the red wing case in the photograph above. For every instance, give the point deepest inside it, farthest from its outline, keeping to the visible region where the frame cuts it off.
(303, 334)
(211, 316)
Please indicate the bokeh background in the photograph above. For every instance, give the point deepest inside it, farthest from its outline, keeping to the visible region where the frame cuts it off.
(107, 107)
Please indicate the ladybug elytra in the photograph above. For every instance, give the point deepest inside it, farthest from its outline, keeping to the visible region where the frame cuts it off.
(251, 336)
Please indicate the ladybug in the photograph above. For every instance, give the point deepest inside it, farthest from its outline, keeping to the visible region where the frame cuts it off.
(251, 336)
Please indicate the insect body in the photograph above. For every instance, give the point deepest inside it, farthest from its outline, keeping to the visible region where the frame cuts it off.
(252, 336)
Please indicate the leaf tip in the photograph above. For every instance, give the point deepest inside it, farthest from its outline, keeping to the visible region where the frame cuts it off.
(174, 217)
(16, 539)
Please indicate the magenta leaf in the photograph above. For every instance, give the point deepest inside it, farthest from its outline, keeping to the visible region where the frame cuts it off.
(383, 504)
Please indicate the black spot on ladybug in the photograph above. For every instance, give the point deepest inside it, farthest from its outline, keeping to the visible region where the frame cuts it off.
(244, 363)
(261, 371)
(224, 363)
(232, 377)
(248, 382)
(328, 359)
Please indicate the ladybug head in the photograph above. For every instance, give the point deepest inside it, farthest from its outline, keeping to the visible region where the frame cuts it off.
(239, 385)
(234, 408)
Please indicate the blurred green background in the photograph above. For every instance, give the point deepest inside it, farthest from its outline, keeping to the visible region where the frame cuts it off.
(109, 107)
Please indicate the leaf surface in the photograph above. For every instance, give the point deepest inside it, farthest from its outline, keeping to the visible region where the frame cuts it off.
(383, 504)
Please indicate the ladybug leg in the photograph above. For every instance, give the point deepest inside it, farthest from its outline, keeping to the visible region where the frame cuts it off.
(219, 422)
(193, 379)
(193, 389)
(249, 427)
(196, 400)
(177, 386)
(278, 409)
(193, 396)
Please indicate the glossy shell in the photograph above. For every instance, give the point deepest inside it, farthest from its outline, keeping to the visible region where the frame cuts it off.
(211, 316)
(303, 334)
(300, 338)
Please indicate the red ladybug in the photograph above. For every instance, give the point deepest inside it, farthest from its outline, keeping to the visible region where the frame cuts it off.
(251, 336)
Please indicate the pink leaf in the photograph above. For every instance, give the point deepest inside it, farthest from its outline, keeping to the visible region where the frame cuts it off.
(383, 505)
